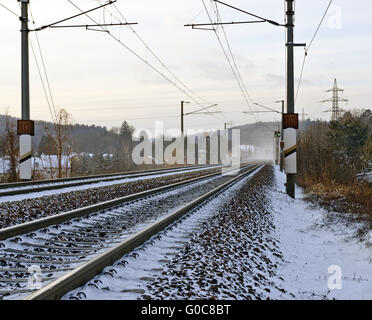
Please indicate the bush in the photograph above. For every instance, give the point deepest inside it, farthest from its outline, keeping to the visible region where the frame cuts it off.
(332, 156)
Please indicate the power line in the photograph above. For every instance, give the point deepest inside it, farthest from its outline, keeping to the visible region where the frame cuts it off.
(45, 71)
(235, 71)
(157, 58)
(320, 23)
(6, 8)
(307, 49)
(42, 81)
(226, 55)
(140, 58)
(232, 55)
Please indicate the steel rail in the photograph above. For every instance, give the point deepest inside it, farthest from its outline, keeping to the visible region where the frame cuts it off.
(34, 225)
(87, 180)
(83, 273)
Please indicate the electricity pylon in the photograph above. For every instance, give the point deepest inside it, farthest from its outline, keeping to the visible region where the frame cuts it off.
(336, 99)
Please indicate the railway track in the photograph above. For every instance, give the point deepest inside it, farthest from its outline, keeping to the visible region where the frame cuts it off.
(71, 248)
(18, 188)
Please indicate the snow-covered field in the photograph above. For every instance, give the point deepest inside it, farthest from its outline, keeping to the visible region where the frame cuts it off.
(311, 244)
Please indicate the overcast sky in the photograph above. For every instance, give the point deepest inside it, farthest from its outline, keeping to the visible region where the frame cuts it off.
(100, 82)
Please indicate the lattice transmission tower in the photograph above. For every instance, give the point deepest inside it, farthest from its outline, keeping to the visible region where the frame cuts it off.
(336, 99)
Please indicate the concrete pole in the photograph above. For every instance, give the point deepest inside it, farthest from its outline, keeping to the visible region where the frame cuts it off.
(281, 138)
(182, 117)
(25, 139)
(291, 172)
(25, 62)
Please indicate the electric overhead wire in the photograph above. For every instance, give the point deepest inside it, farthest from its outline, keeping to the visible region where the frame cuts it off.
(308, 47)
(11, 11)
(157, 57)
(232, 55)
(39, 71)
(236, 72)
(53, 115)
(41, 78)
(142, 59)
(226, 55)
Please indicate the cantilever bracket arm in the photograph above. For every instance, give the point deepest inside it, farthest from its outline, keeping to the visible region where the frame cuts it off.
(212, 112)
(195, 111)
(253, 15)
(94, 25)
(197, 25)
(53, 25)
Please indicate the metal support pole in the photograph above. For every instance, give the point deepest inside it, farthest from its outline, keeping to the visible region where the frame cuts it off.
(182, 117)
(25, 139)
(291, 172)
(281, 138)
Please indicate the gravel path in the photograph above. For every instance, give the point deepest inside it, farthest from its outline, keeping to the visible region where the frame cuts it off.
(15, 212)
(235, 255)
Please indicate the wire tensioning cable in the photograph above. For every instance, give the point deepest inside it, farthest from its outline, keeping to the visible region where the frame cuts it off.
(307, 49)
(50, 100)
(11, 11)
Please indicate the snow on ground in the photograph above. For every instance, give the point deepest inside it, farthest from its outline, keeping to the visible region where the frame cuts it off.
(130, 277)
(311, 244)
(282, 249)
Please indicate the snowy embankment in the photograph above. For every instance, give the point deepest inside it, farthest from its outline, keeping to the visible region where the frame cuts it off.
(252, 242)
(313, 240)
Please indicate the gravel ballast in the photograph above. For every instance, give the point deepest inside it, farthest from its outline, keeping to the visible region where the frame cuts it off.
(235, 256)
(16, 212)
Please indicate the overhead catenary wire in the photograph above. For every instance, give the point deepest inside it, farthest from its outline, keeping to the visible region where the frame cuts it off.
(226, 55)
(142, 59)
(232, 55)
(308, 48)
(42, 81)
(40, 74)
(53, 113)
(158, 59)
(9, 10)
(232, 64)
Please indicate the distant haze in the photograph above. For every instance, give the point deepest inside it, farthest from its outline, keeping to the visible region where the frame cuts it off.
(99, 82)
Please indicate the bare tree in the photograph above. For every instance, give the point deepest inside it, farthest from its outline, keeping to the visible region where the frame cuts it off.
(61, 139)
(125, 149)
(9, 147)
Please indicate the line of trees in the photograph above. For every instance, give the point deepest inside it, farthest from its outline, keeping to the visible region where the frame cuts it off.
(77, 149)
(334, 160)
(338, 151)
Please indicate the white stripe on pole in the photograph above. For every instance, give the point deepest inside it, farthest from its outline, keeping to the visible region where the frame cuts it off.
(25, 152)
(290, 142)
